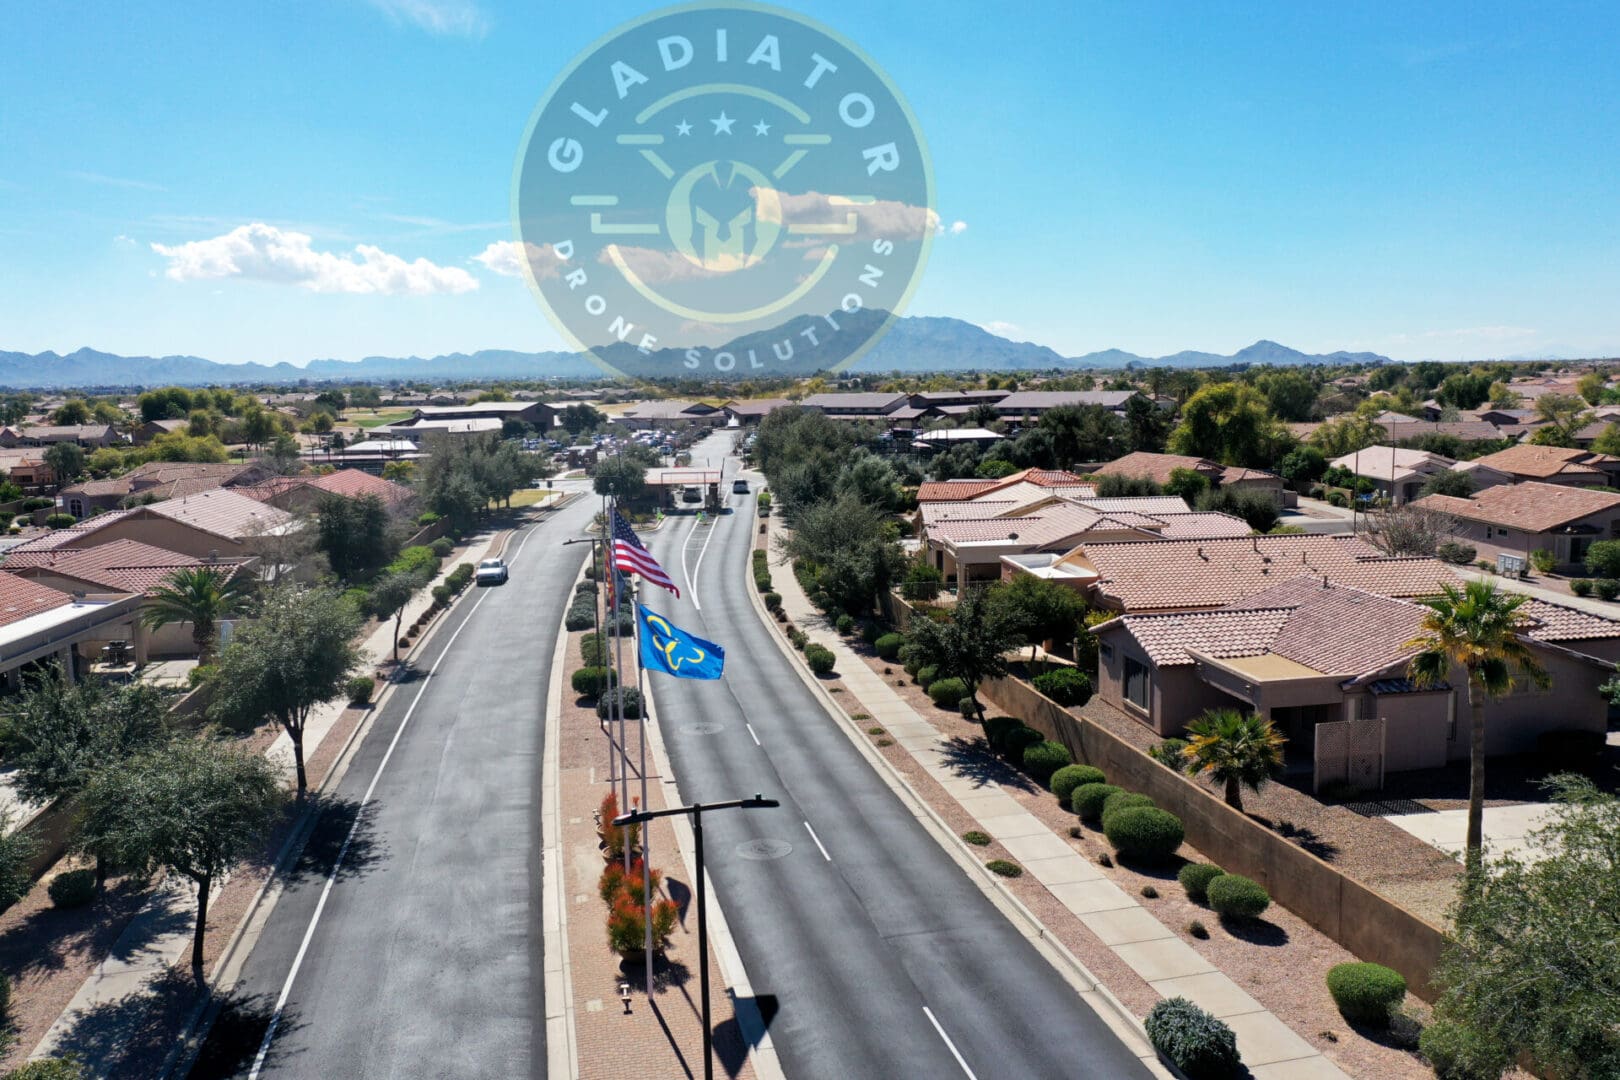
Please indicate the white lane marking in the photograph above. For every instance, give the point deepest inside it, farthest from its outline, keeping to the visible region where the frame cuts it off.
(952, 1046)
(337, 866)
(819, 844)
(698, 568)
(751, 734)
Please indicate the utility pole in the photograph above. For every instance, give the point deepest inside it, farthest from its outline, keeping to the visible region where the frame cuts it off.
(695, 811)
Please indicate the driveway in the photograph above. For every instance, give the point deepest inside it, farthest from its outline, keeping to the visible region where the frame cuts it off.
(1506, 828)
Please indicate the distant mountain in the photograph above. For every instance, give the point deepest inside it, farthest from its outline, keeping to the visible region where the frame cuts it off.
(914, 344)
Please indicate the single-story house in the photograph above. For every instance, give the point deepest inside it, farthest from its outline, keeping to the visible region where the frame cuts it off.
(1554, 465)
(1158, 467)
(305, 492)
(1050, 481)
(151, 429)
(40, 625)
(155, 481)
(1400, 474)
(1028, 406)
(1306, 652)
(217, 524)
(536, 414)
(89, 436)
(1516, 519)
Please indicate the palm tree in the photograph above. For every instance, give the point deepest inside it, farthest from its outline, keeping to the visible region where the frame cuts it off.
(1475, 628)
(201, 596)
(1234, 748)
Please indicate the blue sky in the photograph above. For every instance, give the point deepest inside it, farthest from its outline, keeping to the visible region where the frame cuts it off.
(1154, 177)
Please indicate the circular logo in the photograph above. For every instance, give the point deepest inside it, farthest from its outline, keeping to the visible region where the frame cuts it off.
(724, 190)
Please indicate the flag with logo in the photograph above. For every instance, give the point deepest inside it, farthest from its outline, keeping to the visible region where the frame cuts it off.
(667, 648)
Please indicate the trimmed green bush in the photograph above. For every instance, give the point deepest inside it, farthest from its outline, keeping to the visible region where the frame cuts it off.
(997, 728)
(1366, 993)
(773, 601)
(1045, 758)
(1460, 1053)
(1066, 686)
(844, 623)
(947, 692)
(1456, 553)
(1195, 1042)
(580, 618)
(632, 703)
(1004, 868)
(820, 658)
(1066, 779)
(909, 660)
(1143, 832)
(1168, 753)
(1237, 897)
(927, 675)
(427, 517)
(1124, 800)
(1581, 587)
(51, 1068)
(75, 888)
(592, 681)
(1087, 800)
(1607, 588)
(60, 521)
(888, 646)
(977, 838)
(968, 707)
(442, 547)
(441, 595)
(800, 639)
(870, 632)
(359, 689)
(1018, 740)
(1195, 878)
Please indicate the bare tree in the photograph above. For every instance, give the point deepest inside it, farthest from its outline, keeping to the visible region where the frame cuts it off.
(1411, 530)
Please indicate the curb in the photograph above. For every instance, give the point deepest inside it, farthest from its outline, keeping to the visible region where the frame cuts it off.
(1075, 973)
(562, 1050)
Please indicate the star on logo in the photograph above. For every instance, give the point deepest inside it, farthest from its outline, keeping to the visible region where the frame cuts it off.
(683, 128)
(722, 123)
(762, 128)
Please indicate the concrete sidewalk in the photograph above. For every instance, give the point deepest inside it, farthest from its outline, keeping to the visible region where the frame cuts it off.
(158, 937)
(1270, 1049)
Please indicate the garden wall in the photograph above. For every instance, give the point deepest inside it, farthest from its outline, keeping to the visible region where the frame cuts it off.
(1355, 916)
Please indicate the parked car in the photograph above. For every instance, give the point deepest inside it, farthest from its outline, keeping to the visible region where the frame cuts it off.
(691, 493)
(739, 487)
(490, 572)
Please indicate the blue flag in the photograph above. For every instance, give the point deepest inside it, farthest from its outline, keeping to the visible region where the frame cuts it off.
(667, 648)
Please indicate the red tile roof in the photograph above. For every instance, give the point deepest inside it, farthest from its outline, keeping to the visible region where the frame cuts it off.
(21, 598)
(1157, 467)
(355, 483)
(1528, 459)
(122, 565)
(951, 490)
(1531, 506)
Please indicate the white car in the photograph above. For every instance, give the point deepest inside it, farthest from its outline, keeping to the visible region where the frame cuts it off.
(490, 572)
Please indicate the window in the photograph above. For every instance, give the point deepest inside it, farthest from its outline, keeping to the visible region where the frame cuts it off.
(1105, 650)
(1137, 683)
(1501, 532)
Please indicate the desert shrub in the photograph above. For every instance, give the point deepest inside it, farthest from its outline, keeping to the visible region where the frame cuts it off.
(75, 888)
(60, 521)
(976, 838)
(820, 658)
(968, 707)
(845, 623)
(1066, 779)
(888, 646)
(1045, 758)
(1004, 868)
(427, 517)
(1199, 1045)
(200, 674)
(1581, 587)
(1198, 930)
(1087, 800)
(1336, 498)
(800, 639)
(442, 547)
(1237, 897)
(927, 675)
(773, 601)
(1066, 686)
(66, 1067)
(1150, 892)
(441, 595)
(947, 692)
(1607, 588)
(359, 689)
(870, 632)
(1124, 800)
(996, 729)
(459, 578)
(592, 681)
(1018, 740)
(1366, 993)
(1195, 878)
(1603, 558)
(632, 702)
(1543, 560)
(1143, 832)
(1460, 1053)
(1456, 553)
(1168, 753)
(909, 659)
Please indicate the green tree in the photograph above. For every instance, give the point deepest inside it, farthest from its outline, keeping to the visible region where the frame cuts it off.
(1478, 629)
(1449, 482)
(871, 480)
(169, 403)
(17, 851)
(1230, 423)
(619, 477)
(1591, 387)
(1115, 486)
(1565, 415)
(1257, 508)
(258, 426)
(1187, 483)
(971, 645)
(295, 656)
(1302, 466)
(855, 553)
(202, 596)
(1466, 390)
(579, 419)
(1083, 433)
(1147, 423)
(1603, 558)
(1041, 610)
(1504, 396)
(389, 595)
(191, 806)
(1289, 394)
(1234, 749)
(71, 413)
(282, 456)
(1609, 441)
(356, 535)
(1531, 968)
(1346, 435)
(66, 461)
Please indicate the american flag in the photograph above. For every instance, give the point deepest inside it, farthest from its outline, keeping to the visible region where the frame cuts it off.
(631, 555)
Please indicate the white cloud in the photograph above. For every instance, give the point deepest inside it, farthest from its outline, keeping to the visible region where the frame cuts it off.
(459, 17)
(956, 228)
(123, 241)
(1002, 329)
(263, 252)
(506, 258)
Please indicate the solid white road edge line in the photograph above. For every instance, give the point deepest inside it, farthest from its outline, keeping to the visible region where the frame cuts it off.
(819, 844)
(950, 1045)
(751, 734)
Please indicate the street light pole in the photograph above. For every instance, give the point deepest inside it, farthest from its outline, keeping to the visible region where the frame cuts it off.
(695, 811)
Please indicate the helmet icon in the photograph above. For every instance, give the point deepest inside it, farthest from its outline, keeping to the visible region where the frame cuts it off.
(723, 216)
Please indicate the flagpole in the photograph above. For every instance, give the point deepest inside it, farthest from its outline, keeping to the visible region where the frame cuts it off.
(604, 593)
(646, 839)
(618, 693)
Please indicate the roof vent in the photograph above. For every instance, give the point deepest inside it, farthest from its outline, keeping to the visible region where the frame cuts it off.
(1201, 554)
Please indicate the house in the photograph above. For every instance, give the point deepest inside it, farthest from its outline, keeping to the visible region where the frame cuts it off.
(944, 438)
(420, 430)
(536, 414)
(151, 429)
(121, 568)
(1191, 575)
(1554, 465)
(671, 414)
(858, 406)
(26, 468)
(305, 492)
(1028, 406)
(947, 402)
(89, 436)
(216, 524)
(155, 481)
(1048, 481)
(1158, 467)
(1516, 519)
(1399, 474)
(1465, 429)
(752, 412)
(1305, 652)
(40, 625)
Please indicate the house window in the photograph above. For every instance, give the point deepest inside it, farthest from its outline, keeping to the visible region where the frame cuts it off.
(1137, 683)
(1105, 650)
(1501, 532)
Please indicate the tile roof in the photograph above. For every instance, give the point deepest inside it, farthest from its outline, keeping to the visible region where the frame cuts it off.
(757, 406)
(1031, 531)
(1167, 638)
(1052, 481)
(1157, 505)
(1528, 459)
(1185, 574)
(871, 403)
(1462, 429)
(1201, 526)
(122, 565)
(21, 598)
(23, 553)
(1392, 463)
(946, 510)
(1531, 506)
(355, 483)
(952, 490)
(222, 512)
(1157, 467)
(1036, 400)
(1555, 622)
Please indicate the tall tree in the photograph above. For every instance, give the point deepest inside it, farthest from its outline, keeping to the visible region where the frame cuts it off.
(1042, 610)
(971, 645)
(1234, 749)
(295, 656)
(1230, 423)
(356, 535)
(202, 596)
(389, 595)
(71, 413)
(66, 461)
(1478, 629)
(192, 806)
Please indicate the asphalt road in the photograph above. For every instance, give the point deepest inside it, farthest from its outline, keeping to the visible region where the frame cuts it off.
(426, 960)
(882, 958)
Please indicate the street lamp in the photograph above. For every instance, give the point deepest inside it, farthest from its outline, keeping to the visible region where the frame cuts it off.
(758, 802)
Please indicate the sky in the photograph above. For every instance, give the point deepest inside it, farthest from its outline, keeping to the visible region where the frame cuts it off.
(331, 178)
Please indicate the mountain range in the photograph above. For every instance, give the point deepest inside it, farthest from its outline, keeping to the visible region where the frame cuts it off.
(914, 344)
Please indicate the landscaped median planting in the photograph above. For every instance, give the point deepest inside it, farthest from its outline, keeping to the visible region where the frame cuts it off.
(1366, 993)
(1195, 879)
(820, 658)
(1234, 896)
(1069, 777)
(1195, 1042)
